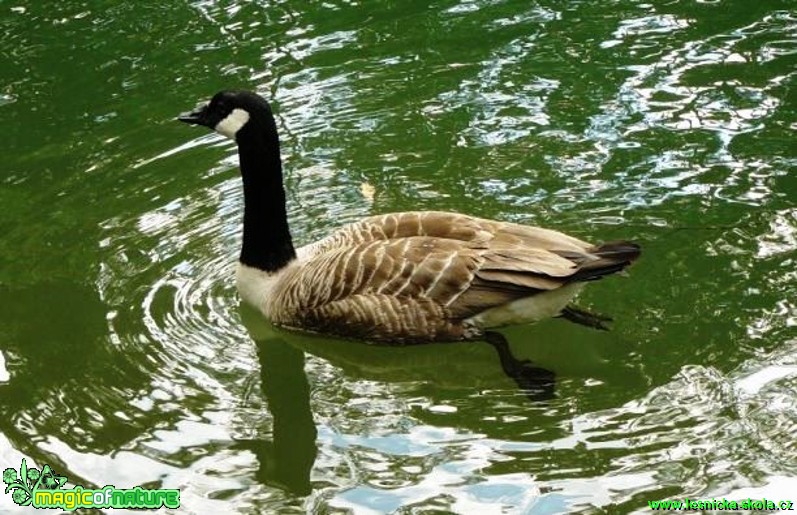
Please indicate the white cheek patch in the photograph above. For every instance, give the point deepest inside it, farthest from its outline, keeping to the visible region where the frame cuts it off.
(233, 122)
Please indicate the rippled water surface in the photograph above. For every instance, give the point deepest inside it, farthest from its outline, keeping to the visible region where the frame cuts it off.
(126, 359)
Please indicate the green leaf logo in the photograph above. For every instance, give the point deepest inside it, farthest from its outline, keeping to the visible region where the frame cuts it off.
(23, 486)
(42, 489)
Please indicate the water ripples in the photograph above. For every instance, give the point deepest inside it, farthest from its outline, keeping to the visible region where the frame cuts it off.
(655, 121)
(385, 441)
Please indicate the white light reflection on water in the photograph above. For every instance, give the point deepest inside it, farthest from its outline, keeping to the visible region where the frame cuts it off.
(449, 434)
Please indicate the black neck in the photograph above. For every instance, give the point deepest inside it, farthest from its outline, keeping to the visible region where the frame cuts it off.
(267, 243)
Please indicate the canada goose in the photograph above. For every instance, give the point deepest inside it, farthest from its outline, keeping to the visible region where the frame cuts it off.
(401, 278)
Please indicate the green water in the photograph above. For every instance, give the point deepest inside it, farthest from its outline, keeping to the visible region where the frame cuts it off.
(126, 359)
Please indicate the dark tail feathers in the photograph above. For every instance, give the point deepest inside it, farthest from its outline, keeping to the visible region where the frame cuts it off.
(627, 251)
(612, 257)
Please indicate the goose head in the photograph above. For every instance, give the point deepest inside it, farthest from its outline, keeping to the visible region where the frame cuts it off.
(232, 113)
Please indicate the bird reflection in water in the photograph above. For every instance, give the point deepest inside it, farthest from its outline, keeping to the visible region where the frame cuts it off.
(287, 458)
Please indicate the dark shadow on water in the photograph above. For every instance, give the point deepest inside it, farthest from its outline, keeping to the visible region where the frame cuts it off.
(536, 382)
(476, 364)
(287, 459)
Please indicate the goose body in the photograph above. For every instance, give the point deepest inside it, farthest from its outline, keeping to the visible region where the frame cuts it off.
(408, 277)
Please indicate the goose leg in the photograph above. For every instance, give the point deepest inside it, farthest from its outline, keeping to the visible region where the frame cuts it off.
(537, 383)
(583, 317)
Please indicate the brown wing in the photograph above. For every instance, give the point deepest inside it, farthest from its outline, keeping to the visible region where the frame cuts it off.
(417, 267)
(416, 276)
(386, 289)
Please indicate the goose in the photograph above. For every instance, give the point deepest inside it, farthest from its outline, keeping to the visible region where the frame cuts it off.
(399, 278)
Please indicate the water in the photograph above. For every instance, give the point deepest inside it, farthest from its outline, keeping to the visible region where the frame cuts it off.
(125, 358)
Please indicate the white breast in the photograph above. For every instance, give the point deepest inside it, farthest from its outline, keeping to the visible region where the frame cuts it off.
(255, 286)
